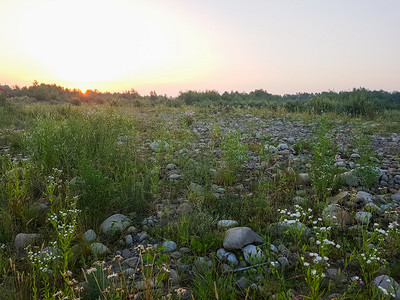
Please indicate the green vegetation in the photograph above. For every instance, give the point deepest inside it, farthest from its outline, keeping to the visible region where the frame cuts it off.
(176, 167)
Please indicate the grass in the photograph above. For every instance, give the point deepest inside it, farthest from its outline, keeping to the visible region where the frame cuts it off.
(85, 163)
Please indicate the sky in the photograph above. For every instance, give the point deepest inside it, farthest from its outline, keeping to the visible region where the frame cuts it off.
(225, 45)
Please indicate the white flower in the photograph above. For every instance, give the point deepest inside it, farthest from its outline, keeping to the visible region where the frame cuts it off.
(306, 264)
(338, 246)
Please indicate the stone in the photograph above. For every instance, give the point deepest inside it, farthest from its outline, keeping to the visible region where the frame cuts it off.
(184, 208)
(387, 285)
(350, 179)
(283, 261)
(363, 217)
(238, 237)
(131, 230)
(282, 146)
(271, 149)
(99, 249)
(227, 223)
(222, 253)
(342, 196)
(174, 176)
(174, 276)
(129, 239)
(194, 187)
(339, 215)
(242, 283)
(363, 197)
(90, 235)
(231, 259)
(169, 246)
(273, 248)
(332, 273)
(128, 271)
(253, 255)
(176, 255)
(171, 166)
(395, 197)
(304, 179)
(22, 240)
(115, 224)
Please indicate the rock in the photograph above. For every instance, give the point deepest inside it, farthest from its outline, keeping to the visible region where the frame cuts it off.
(127, 253)
(304, 179)
(271, 149)
(290, 140)
(231, 259)
(282, 146)
(169, 246)
(184, 208)
(115, 224)
(99, 249)
(395, 197)
(283, 261)
(176, 255)
(171, 166)
(242, 283)
(22, 240)
(194, 187)
(222, 253)
(363, 197)
(227, 223)
(273, 248)
(363, 217)
(174, 276)
(90, 235)
(128, 271)
(332, 273)
(131, 230)
(174, 176)
(350, 179)
(339, 215)
(342, 196)
(253, 255)
(129, 239)
(388, 286)
(238, 237)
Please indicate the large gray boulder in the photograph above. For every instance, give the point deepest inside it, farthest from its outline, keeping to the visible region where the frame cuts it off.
(238, 237)
(115, 224)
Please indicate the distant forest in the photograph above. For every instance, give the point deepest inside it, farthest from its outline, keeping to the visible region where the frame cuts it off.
(358, 102)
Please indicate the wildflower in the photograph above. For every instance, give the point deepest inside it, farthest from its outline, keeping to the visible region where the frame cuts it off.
(180, 291)
(119, 290)
(112, 275)
(338, 246)
(117, 258)
(362, 282)
(99, 263)
(90, 270)
(58, 294)
(306, 264)
(67, 273)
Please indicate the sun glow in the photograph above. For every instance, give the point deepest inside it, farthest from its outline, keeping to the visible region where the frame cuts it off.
(93, 44)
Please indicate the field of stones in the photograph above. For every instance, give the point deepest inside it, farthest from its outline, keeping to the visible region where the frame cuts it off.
(156, 202)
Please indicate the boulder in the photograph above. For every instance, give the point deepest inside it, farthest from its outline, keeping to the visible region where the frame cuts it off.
(238, 237)
(115, 224)
(22, 240)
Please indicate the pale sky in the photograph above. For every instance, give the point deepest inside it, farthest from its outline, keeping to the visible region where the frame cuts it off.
(281, 46)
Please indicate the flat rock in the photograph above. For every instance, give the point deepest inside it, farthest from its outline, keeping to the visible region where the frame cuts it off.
(169, 246)
(238, 237)
(227, 223)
